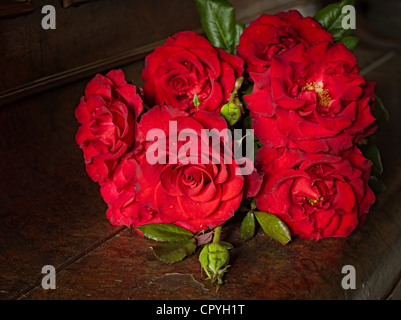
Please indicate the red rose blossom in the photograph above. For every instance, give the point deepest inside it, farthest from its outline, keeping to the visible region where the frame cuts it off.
(120, 195)
(313, 99)
(107, 114)
(191, 194)
(187, 64)
(270, 35)
(317, 195)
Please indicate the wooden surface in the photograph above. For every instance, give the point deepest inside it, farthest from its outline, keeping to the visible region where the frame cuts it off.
(95, 36)
(51, 213)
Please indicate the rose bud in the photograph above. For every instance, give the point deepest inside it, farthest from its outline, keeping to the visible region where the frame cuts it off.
(214, 259)
(231, 112)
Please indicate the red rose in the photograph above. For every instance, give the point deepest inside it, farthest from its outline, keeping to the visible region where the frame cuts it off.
(192, 191)
(187, 64)
(119, 193)
(313, 99)
(107, 114)
(317, 195)
(270, 35)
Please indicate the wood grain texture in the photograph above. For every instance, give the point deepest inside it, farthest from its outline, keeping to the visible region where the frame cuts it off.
(69, 3)
(10, 8)
(85, 34)
(38, 60)
(41, 222)
(395, 292)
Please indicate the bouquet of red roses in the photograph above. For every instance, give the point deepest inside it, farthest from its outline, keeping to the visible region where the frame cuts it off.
(272, 121)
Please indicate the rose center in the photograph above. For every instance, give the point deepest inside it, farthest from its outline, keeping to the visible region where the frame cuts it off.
(180, 85)
(314, 202)
(323, 96)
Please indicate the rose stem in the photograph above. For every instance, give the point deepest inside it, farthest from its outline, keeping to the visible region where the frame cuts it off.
(217, 234)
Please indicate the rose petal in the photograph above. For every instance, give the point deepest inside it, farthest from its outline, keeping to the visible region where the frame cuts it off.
(195, 209)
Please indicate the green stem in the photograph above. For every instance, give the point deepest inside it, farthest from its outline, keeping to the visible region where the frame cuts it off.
(217, 234)
(234, 93)
(253, 205)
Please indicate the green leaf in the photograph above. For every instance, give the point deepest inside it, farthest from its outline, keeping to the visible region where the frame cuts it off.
(239, 28)
(226, 245)
(380, 112)
(350, 42)
(196, 101)
(376, 185)
(372, 153)
(164, 232)
(273, 226)
(172, 252)
(248, 226)
(331, 16)
(218, 21)
(204, 259)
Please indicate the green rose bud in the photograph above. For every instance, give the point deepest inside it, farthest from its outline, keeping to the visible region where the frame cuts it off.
(231, 112)
(233, 109)
(214, 259)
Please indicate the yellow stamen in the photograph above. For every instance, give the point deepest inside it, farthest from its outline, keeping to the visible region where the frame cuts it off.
(322, 93)
(314, 202)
